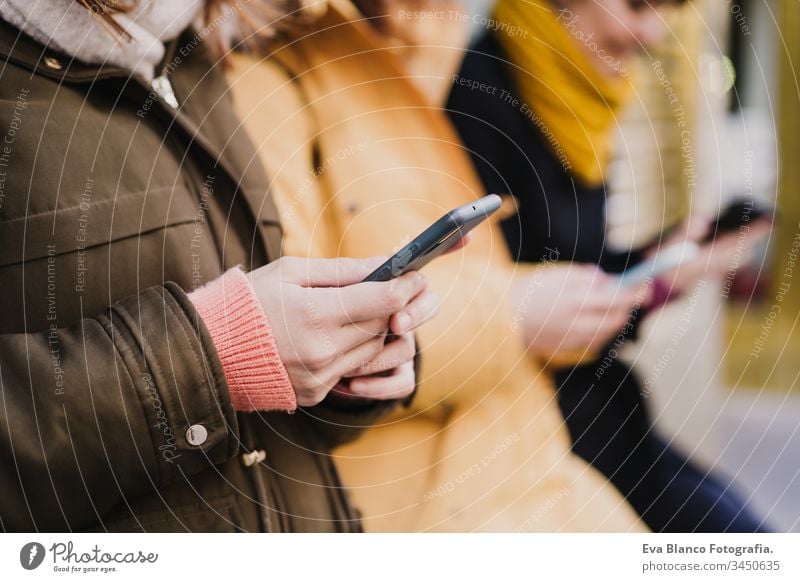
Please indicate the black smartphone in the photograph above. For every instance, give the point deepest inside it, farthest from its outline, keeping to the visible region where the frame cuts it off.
(437, 239)
(739, 212)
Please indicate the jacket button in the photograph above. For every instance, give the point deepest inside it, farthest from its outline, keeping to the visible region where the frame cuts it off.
(53, 63)
(196, 435)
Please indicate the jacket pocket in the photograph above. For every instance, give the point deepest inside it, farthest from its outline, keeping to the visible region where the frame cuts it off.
(90, 224)
(95, 253)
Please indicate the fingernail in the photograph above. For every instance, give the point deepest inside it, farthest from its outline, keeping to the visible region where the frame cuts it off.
(403, 322)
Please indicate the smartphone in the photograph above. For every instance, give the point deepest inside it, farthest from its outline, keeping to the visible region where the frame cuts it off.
(665, 260)
(437, 239)
(739, 212)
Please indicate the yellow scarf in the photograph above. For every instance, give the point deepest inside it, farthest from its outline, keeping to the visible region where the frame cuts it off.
(563, 93)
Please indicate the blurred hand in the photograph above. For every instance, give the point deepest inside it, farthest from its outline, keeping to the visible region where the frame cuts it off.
(726, 253)
(568, 308)
(327, 324)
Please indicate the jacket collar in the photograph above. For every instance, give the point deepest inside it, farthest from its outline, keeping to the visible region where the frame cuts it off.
(20, 49)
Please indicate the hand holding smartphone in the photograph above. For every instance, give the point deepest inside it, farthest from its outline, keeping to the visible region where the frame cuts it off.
(440, 237)
(665, 260)
(736, 214)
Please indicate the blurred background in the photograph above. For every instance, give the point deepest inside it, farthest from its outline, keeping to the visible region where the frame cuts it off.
(727, 394)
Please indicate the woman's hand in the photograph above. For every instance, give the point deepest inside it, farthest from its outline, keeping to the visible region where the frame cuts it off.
(327, 324)
(388, 376)
(726, 253)
(564, 309)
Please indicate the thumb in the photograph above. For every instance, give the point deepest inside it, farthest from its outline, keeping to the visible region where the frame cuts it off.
(697, 227)
(329, 272)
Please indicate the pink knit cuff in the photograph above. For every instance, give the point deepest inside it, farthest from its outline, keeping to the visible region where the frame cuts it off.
(243, 338)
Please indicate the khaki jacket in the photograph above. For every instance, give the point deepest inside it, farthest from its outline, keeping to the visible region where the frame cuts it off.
(113, 205)
(359, 163)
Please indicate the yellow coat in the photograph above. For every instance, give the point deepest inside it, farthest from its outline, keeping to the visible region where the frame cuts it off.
(359, 163)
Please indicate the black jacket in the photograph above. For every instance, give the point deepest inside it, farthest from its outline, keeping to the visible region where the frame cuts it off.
(556, 212)
(606, 416)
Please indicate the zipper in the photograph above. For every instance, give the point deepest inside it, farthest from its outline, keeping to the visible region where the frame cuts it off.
(345, 516)
(163, 88)
(263, 498)
(351, 522)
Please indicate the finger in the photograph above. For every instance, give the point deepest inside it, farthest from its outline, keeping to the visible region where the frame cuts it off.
(328, 272)
(374, 300)
(626, 293)
(581, 274)
(765, 221)
(591, 281)
(697, 227)
(393, 355)
(629, 297)
(742, 237)
(577, 338)
(601, 334)
(352, 335)
(398, 385)
(353, 359)
(616, 321)
(612, 299)
(727, 239)
(621, 312)
(602, 320)
(422, 308)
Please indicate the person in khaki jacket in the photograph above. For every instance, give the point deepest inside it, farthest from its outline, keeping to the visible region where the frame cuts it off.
(146, 381)
(361, 160)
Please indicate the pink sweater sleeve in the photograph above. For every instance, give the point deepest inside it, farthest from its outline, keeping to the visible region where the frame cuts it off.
(243, 338)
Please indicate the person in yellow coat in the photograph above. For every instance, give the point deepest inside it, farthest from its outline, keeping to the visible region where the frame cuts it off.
(361, 160)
